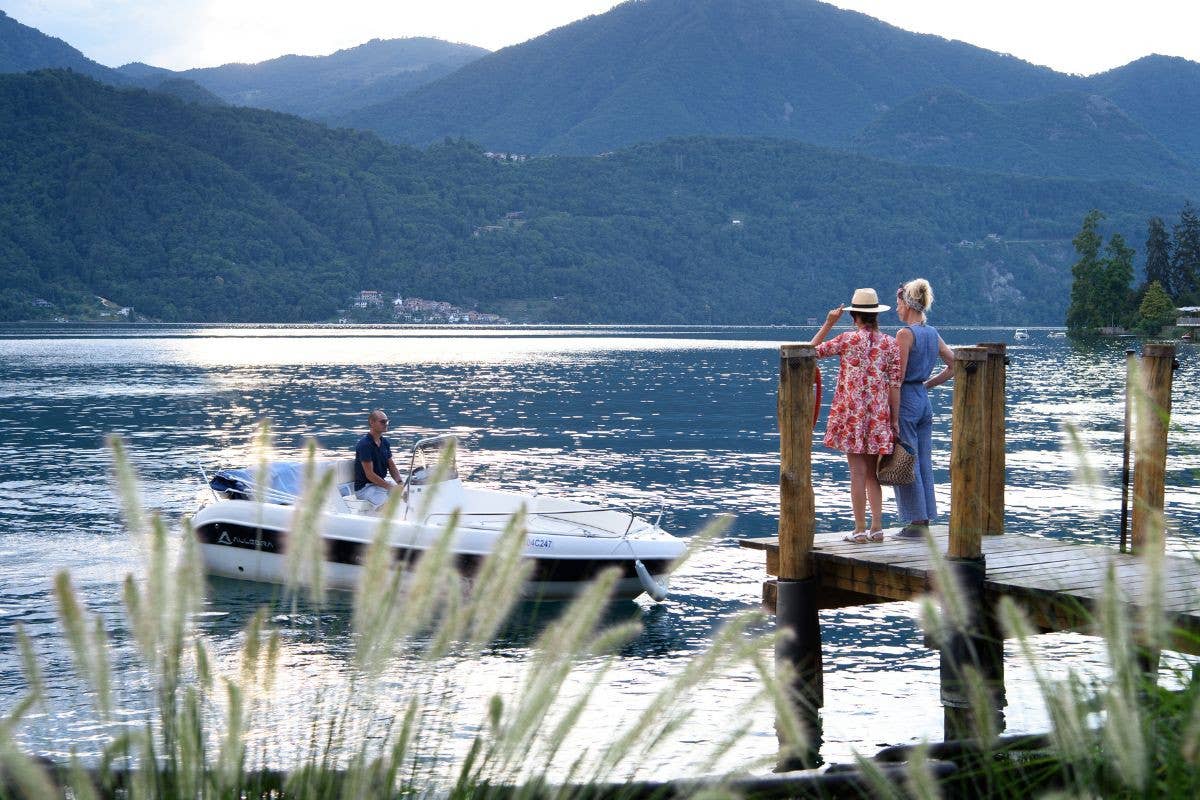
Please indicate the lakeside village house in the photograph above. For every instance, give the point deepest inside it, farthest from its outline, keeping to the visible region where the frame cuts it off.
(417, 309)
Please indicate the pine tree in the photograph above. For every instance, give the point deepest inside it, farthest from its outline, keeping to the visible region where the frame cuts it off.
(1086, 273)
(1158, 256)
(1185, 265)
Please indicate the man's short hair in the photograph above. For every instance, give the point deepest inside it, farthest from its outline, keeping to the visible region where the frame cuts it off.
(376, 414)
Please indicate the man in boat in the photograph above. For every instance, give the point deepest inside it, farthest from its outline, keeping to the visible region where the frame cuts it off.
(373, 460)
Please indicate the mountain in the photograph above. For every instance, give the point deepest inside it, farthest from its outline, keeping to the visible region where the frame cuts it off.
(324, 86)
(1161, 93)
(1068, 134)
(23, 49)
(797, 69)
(216, 213)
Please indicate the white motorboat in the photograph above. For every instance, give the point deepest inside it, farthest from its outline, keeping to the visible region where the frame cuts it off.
(244, 533)
(1057, 334)
(1020, 334)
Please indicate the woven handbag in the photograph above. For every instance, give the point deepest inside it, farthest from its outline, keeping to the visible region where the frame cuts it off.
(897, 468)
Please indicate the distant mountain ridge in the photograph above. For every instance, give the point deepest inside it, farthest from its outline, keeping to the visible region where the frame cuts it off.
(23, 49)
(797, 69)
(325, 86)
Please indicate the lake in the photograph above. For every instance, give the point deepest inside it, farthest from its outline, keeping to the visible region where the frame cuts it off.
(682, 418)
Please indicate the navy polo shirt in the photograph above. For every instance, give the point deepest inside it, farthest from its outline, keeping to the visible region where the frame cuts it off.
(378, 454)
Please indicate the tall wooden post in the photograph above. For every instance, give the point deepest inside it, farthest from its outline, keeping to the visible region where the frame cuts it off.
(797, 508)
(798, 647)
(968, 453)
(973, 650)
(1152, 403)
(997, 362)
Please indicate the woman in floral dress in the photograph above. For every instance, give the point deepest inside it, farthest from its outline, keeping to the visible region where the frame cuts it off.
(864, 405)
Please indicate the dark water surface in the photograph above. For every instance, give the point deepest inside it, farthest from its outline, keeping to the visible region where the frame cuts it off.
(648, 416)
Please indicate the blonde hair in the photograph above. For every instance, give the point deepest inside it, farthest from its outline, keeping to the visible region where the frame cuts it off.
(918, 295)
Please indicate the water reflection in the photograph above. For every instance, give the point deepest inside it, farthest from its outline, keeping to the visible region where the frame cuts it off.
(673, 417)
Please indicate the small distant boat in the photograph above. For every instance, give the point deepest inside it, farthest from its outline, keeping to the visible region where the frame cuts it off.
(1187, 337)
(1020, 334)
(1057, 334)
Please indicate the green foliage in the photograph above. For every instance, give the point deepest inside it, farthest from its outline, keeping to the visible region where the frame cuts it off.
(189, 212)
(1185, 262)
(1157, 309)
(1158, 255)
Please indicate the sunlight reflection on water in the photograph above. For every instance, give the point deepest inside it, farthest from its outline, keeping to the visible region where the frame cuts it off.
(644, 416)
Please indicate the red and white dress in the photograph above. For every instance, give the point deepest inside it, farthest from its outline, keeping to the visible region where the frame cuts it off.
(860, 419)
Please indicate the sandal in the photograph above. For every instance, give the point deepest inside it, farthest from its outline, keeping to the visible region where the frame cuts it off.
(856, 538)
(876, 536)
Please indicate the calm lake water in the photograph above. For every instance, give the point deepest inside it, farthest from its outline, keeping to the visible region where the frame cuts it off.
(648, 416)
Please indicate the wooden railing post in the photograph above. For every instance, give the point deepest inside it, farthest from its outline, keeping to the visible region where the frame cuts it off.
(1152, 404)
(798, 647)
(973, 648)
(968, 452)
(997, 362)
(797, 509)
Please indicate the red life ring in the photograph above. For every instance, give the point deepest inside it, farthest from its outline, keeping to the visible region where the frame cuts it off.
(817, 403)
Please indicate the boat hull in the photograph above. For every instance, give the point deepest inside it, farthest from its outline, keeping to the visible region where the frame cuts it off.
(248, 541)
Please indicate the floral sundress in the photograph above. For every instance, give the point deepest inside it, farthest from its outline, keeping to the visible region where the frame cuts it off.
(860, 419)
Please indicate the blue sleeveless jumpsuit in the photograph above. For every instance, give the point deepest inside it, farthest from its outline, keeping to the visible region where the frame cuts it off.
(916, 501)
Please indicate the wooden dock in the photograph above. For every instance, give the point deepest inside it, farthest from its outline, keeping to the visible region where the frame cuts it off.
(1058, 584)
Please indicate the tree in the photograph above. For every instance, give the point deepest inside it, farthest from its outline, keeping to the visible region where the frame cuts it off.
(1114, 301)
(1157, 309)
(1158, 256)
(1086, 272)
(1185, 266)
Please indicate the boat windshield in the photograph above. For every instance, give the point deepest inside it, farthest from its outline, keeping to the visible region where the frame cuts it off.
(427, 454)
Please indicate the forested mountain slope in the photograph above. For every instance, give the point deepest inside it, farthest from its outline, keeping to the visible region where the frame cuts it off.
(798, 69)
(192, 212)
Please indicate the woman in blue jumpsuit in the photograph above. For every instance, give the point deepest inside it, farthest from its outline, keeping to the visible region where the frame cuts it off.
(920, 347)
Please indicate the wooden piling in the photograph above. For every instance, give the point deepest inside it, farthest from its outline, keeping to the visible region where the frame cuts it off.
(1152, 403)
(997, 360)
(967, 453)
(797, 507)
(798, 660)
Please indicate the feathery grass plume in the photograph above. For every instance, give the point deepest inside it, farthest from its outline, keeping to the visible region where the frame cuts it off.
(1123, 731)
(1152, 620)
(881, 787)
(1086, 473)
(921, 783)
(305, 557)
(22, 773)
(728, 646)
(231, 757)
(563, 641)
(980, 701)
(417, 597)
(127, 489)
(33, 681)
(79, 780)
(498, 585)
(74, 622)
(953, 602)
(1064, 704)
(1189, 745)
(794, 736)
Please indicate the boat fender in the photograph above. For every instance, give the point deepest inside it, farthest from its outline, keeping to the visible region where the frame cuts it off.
(653, 588)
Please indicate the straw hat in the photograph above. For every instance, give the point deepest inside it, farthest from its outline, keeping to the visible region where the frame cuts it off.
(866, 301)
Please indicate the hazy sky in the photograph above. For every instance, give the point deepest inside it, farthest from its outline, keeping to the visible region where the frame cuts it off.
(1083, 36)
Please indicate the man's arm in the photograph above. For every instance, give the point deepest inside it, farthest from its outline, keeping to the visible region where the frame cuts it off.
(395, 472)
(369, 471)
